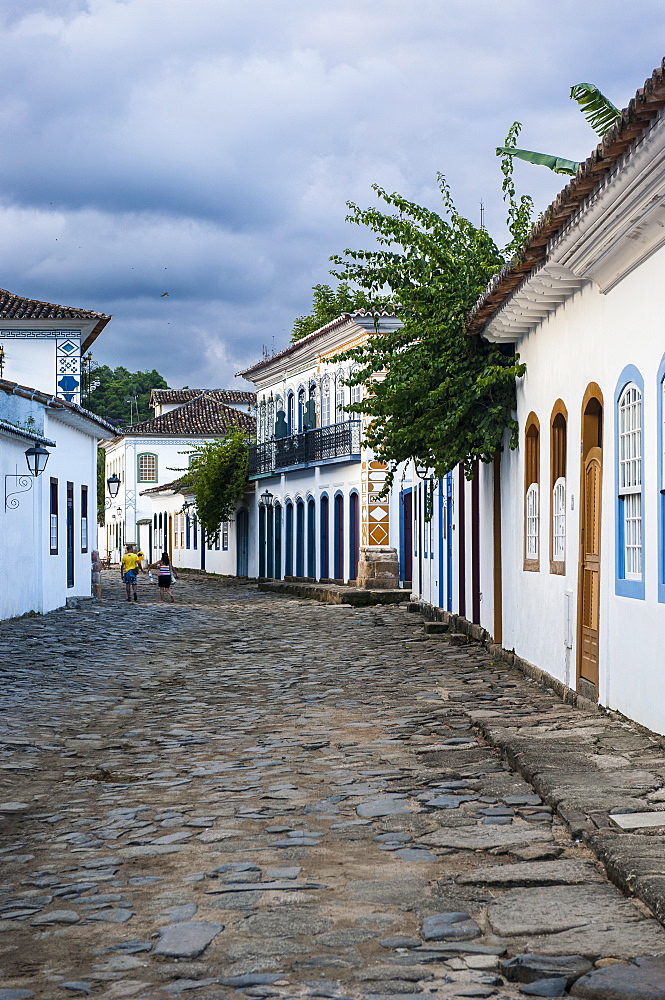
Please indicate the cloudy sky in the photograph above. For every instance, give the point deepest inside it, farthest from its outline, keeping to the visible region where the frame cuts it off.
(207, 148)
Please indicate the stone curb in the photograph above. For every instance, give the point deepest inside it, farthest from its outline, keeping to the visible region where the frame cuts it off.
(335, 593)
(634, 862)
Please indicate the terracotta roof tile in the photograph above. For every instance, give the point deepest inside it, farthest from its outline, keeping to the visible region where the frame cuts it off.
(202, 415)
(635, 120)
(17, 307)
(230, 396)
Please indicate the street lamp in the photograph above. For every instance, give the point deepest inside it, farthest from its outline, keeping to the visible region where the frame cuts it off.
(36, 457)
(421, 470)
(113, 484)
(265, 499)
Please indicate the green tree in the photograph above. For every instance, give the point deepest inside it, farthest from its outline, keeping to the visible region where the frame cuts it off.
(598, 110)
(121, 396)
(329, 303)
(434, 393)
(218, 479)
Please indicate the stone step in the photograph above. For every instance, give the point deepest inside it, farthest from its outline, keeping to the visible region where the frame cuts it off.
(457, 638)
(435, 628)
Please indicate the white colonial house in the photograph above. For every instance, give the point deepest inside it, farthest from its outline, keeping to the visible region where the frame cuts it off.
(557, 549)
(48, 519)
(149, 457)
(318, 513)
(43, 344)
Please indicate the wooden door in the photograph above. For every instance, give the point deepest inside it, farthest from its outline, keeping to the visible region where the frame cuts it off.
(590, 565)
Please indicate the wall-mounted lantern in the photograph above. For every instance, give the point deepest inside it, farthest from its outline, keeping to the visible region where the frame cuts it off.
(36, 458)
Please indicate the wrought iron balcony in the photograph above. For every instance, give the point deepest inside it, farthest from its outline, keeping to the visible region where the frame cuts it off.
(320, 445)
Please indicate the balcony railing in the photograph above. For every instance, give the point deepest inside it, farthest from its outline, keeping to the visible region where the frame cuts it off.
(319, 445)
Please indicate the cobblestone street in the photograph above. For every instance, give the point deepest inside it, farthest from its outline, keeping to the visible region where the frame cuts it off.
(248, 795)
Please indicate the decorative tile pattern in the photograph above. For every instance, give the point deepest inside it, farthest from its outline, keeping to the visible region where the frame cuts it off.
(68, 368)
(374, 512)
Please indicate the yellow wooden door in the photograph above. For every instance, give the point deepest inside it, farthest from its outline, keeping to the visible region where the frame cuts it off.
(590, 575)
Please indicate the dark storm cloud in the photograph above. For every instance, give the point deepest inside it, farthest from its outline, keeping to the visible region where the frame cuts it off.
(207, 147)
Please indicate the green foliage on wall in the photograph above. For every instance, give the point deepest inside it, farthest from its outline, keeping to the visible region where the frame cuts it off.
(218, 479)
(433, 393)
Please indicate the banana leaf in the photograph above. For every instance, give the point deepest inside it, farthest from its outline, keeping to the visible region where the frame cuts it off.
(596, 108)
(555, 163)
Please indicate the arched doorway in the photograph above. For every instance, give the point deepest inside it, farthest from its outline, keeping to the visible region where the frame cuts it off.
(262, 541)
(288, 546)
(242, 542)
(354, 535)
(278, 543)
(324, 557)
(311, 538)
(338, 541)
(588, 602)
(300, 538)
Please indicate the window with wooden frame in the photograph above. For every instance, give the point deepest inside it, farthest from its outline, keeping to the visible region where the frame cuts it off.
(630, 483)
(225, 535)
(532, 494)
(53, 518)
(558, 452)
(84, 519)
(146, 468)
(325, 401)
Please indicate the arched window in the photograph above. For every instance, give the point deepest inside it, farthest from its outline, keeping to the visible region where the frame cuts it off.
(279, 409)
(325, 401)
(301, 409)
(558, 455)
(629, 487)
(270, 420)
(290, 413)
(340, 398)
(532, 494)
(356, 390)
(261, 423)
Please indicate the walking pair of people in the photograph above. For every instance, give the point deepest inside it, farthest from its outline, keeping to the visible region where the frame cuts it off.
(132, 564)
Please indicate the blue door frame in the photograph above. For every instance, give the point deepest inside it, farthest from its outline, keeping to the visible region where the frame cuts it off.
(324, 555)
(278, 543)
(311, 538)
(354, 535)
(406, 534)
(288, 554)
(338, 529)
(300, 538)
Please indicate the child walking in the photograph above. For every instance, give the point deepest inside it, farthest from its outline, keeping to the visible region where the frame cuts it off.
(165, 574)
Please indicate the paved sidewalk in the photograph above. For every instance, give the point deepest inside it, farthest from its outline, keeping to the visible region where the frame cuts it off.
(244, 795)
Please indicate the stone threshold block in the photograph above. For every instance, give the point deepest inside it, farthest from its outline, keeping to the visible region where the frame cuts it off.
(637, 821)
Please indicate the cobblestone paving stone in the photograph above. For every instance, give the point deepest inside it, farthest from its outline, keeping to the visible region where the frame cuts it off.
(249, 796)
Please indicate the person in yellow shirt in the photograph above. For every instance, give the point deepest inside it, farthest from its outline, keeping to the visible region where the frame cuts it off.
(129, 567)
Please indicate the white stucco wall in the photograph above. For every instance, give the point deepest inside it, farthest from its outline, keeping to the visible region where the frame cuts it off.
(591, 337)
(37, 580)
(217, 560)
(74, 460)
